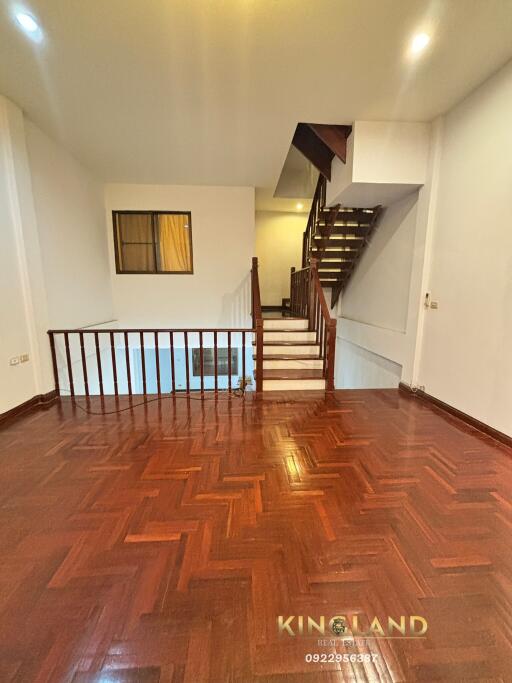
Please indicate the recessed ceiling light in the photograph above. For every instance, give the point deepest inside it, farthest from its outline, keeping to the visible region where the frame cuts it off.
(419, 42)
(27, 23)
(299, 206)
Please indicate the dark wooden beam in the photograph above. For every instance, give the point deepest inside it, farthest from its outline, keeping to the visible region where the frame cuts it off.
(335, 137)
(312, 147)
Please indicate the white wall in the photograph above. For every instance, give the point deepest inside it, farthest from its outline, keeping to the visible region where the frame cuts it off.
(359, 368)
(378, 292)
(386, 161)
(278, 248)
(466, 356)
(19, 328)
(53, 253)
(69, 205)
(390, 152)
(218, 293)
(372, 330)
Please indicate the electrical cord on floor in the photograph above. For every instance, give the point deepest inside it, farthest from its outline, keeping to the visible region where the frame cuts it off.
(236, 393)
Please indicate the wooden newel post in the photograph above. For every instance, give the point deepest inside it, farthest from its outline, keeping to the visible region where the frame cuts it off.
(257, 323)
(331, 350)
(312, 293)
(259, 356)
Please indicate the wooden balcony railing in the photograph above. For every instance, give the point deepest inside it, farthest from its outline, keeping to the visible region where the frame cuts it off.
(118, 362)
(308, 301)
(115, 361)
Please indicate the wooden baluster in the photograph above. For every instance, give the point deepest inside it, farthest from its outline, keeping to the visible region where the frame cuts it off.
(243, 360)
(259, 356)
(70, 367)
(114, 364)
(98, 362)
(171, 350)
(54, 363)
(215, 361)
(127, 358)
(229, 362)
(201, 360)
(143, 362)
(84, 364)
(157, 365)
(186, 362)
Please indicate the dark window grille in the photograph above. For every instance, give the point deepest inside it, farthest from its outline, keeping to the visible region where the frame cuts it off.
(209, 362)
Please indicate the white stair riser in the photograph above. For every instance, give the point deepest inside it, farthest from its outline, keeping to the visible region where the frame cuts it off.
(293, 384)
(287, 364)
(310, 349)
(285, 324)
(289, 336)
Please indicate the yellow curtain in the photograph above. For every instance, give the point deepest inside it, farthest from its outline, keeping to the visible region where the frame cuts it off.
(174, 242)
(135, 240)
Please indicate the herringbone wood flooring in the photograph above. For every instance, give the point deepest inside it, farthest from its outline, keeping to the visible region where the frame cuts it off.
(162, 544)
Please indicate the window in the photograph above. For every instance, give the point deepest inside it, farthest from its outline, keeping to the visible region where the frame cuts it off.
(153, 241)
(209, 362)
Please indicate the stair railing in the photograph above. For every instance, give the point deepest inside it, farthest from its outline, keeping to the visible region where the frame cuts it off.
(307, 300)
(257, 323)
(317, 205)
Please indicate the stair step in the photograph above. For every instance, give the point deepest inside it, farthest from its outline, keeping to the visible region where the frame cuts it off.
(291, 349)
(338, 251)
(278, 356)
(293, 374)
(277, 362)
(287, 343)
(285, 324)
(339, 242)
(355, 215)
(356, 230)
(288, 336)
(302, 384)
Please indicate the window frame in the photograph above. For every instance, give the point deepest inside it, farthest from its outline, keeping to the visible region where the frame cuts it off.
(154, 215)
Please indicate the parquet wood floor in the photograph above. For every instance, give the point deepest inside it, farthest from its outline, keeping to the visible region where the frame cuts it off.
(162, 544)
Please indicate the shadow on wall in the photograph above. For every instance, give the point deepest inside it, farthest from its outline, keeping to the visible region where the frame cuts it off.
(236, 306)
(358, 368)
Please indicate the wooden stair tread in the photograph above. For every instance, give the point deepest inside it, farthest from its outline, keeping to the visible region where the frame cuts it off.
(298, 356)
(287, 343)
(285, 317)
(286, 329)
(293, 374)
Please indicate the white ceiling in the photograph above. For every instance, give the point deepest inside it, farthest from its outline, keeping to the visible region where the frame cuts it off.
(210, 91)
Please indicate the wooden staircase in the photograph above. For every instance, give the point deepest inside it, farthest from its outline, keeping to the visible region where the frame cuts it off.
(295, 352)
(336, 237)
(291, 355)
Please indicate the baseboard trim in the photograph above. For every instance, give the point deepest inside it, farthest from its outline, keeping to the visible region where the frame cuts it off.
(454, 412)
(272, 308)
(41, 401)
